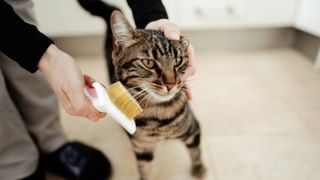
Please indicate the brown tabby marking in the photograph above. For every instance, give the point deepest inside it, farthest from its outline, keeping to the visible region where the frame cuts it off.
(151, 67)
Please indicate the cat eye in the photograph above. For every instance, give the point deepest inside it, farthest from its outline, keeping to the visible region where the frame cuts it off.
(148, 63)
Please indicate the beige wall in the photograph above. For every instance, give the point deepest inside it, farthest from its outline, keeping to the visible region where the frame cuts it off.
(308, 17)
(67, 18)
(61, 18)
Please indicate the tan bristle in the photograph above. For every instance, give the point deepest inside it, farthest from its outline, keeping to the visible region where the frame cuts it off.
(123, 100)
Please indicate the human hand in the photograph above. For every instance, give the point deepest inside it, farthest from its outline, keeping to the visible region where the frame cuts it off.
(171, 31)
(66, 80)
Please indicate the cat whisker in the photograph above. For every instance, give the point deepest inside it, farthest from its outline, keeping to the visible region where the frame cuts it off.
(144, 98)
(138, 95)
(139, 92)
(134, 98)
(195, 81)
(193, 91)
(119, 95)
(193, 86)
(197, 89)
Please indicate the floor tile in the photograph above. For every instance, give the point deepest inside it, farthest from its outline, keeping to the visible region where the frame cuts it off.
(234, 99)
(292, 78)
(250, 157)
(172, 162)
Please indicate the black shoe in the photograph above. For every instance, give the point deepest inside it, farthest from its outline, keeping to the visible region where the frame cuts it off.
(78, 161)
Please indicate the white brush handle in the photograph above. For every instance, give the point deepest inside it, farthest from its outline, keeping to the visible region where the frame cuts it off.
(103, 104)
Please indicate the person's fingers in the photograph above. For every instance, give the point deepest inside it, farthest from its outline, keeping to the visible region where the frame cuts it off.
(81, 106)
(88, 80)
(96, 115)
(73, 87)
(189, 94)
(84, 108)
(63, 98)
(93, 117)
(74, 91)
(66, 80)
(172, 33)
(191, 69)
(65, 102)
(192, 57)
(170, 30)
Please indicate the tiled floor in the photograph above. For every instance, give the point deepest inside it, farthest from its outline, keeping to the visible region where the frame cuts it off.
(259, 111)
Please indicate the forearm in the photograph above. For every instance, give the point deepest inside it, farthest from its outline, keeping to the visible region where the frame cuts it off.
(19, 40)
(145, 11)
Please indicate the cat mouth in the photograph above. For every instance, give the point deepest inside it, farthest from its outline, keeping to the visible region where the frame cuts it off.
(161, 98)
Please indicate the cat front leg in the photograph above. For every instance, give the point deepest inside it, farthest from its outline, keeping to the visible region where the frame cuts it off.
(192, 141)
(144, 154)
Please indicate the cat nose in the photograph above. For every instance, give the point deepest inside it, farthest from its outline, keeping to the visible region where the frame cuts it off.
(170, 86)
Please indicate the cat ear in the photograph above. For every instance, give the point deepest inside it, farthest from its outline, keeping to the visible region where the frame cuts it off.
(121, 29)
(184, 42)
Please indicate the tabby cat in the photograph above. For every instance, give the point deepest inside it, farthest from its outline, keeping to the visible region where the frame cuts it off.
(151, 67)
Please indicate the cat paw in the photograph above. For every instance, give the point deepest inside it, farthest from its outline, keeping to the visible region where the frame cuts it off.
(198, 171)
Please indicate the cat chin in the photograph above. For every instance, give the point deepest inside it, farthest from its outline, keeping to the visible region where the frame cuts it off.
(161, 98)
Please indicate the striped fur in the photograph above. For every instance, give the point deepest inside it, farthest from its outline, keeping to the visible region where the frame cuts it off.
(151, 67)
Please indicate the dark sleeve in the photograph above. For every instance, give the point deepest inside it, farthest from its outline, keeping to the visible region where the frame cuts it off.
(145, 11)
(19, 40)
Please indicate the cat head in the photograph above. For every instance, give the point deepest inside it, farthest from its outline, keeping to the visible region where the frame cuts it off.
(146, 62)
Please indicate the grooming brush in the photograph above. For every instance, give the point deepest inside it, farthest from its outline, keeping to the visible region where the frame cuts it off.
(117, 102)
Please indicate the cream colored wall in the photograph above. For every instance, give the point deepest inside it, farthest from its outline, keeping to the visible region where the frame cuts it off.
(67, 18)
(308, 16)
(218, 14)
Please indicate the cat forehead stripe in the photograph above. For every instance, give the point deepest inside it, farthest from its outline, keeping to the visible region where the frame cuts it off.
(163, 47)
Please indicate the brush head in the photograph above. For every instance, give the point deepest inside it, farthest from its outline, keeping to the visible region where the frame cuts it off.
(120, 96)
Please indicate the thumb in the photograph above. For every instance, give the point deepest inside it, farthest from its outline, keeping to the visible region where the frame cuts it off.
(170, 30)
(172, 34)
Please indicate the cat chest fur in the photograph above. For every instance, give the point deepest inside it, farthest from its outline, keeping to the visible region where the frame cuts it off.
(159, 123)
